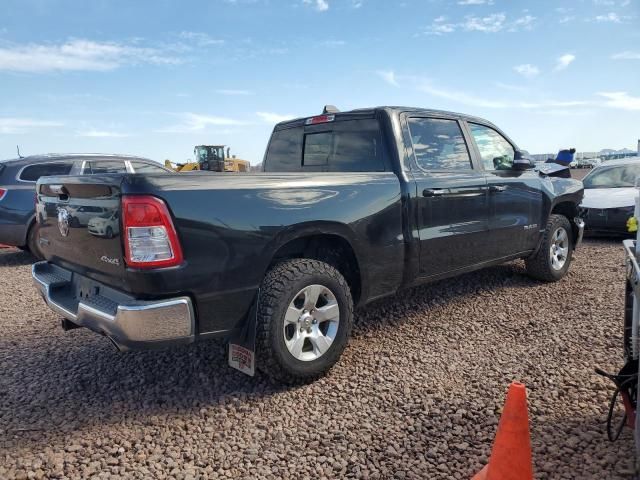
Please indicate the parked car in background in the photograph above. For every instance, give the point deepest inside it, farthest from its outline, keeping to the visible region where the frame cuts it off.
(18, 179)
(609, 196)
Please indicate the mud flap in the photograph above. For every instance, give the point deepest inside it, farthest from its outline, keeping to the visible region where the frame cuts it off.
(242, 345)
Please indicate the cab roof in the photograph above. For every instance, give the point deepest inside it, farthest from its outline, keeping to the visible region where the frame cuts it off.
(391, 110)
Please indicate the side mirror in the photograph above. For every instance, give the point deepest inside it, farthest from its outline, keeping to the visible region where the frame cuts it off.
(520, 162)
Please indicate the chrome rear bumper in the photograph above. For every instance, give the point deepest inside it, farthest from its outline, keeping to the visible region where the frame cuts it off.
(129, 323)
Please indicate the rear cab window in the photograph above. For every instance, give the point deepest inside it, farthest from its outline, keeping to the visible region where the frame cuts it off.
(354, 145)
(31, 173)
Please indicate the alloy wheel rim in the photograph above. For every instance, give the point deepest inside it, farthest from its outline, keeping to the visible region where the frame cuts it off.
(311, 323)
(559, 249)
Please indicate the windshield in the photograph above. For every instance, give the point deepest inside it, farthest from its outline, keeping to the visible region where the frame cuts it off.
(205, 153)
(613, 177)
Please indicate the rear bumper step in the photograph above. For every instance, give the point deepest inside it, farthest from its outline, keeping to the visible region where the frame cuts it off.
(129, 323)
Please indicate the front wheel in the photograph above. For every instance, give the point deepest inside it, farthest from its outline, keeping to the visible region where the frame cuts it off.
(553, 258)
(305, 314)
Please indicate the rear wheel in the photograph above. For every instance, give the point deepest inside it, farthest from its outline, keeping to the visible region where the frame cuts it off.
(32, 242)
(305, 314)
(553, 258)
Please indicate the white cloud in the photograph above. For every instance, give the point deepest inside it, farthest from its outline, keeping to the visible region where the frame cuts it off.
(525, 23)
(357, 3)
(628, 55)
(621, 100)
(611, 17)
(564, 61)
(475, 2)
(231, 92)
(102, 134)
(388, 76)
(426, 85)
(512, 88)
(333, 43)
(319, 5)
(79, 55)
(489, 24)
(195, 122)
(459, 97)
(496, 22)
(440, 26)
(271, 117)
(527, 70)
(566, 19)
(201, 39)
(24, 125)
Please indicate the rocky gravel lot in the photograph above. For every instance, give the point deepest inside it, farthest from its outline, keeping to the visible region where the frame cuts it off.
(417, 394)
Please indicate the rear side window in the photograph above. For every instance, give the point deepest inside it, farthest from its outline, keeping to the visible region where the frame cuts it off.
(285, 151)
(142, 167)
(438, 144)
(108, 166)
(32, 173)
(343, 146)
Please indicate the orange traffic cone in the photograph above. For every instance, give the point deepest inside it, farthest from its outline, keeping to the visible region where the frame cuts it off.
(511, 453)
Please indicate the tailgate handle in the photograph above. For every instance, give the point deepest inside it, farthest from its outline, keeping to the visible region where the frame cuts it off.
(59, 190)
(434, 192)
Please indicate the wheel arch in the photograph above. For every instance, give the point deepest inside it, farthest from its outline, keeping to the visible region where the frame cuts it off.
(332, 244)
(568, 209)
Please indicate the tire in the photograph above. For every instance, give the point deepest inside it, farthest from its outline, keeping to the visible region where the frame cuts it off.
(109, 232)
(291, 345)
(546, 266)
(32, 242)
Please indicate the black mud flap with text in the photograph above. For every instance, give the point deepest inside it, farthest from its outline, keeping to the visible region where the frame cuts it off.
(242, 345)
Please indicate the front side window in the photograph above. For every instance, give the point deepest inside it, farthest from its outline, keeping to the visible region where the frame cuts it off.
(33, 172)
(107, 166)
(496, 152)
(439, 144)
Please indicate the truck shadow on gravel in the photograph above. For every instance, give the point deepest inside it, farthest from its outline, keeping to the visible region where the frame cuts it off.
(56, 384)
(77, 379)
(15, 258)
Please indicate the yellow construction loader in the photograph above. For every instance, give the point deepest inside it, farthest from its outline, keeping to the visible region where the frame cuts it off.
(211, 158)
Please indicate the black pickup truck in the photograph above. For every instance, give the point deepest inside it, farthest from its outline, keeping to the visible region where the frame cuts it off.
(351, 206)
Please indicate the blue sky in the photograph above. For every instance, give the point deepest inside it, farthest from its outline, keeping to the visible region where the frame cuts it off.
(155, 78)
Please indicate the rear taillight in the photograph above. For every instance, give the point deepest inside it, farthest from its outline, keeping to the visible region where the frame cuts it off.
(3, 192)
(150, 239)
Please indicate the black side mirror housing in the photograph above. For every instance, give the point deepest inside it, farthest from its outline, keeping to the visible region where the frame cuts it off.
(520, 162)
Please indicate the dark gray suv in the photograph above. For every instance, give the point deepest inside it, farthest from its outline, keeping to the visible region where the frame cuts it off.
(18, 179)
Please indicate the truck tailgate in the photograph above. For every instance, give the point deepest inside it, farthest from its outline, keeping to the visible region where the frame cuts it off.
(79, 219)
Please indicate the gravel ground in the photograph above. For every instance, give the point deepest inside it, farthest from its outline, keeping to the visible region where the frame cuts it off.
(417, 394)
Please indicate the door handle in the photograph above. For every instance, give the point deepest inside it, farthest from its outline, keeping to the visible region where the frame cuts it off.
(497, 188)
(434, 192)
